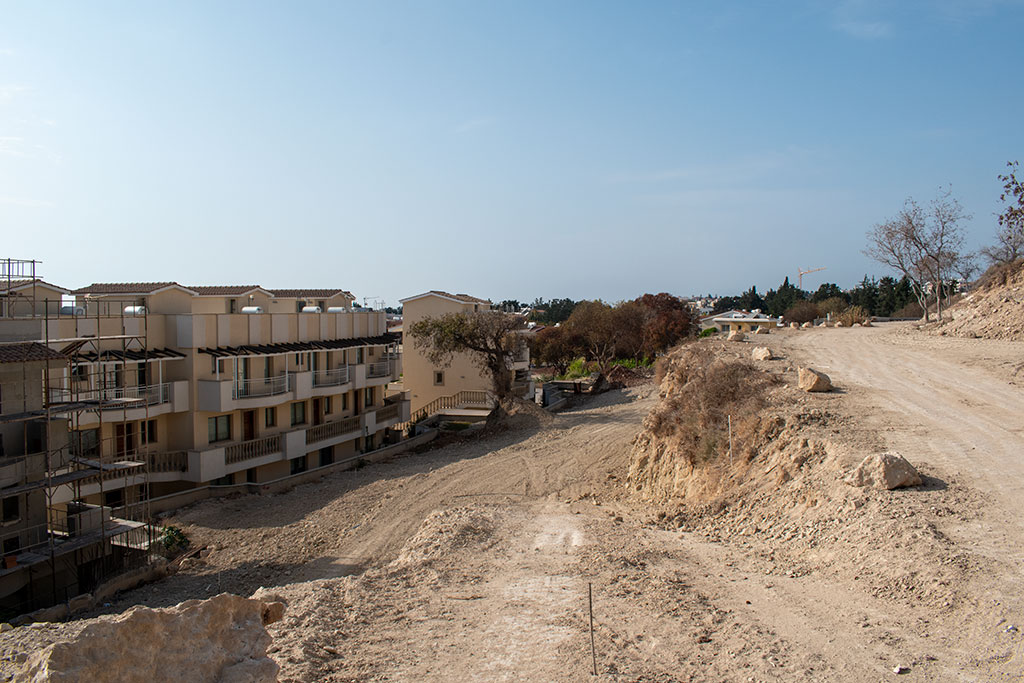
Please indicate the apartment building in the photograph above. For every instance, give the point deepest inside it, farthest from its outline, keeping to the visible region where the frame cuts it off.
(156, 389)
(238, 384)
(426, 383)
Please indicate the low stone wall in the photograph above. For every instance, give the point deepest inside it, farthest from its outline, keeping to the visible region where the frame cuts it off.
(174, 501)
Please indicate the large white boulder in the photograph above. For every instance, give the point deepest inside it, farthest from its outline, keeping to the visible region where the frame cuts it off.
(736, 336)
(761, 353)
(812, 380)
(884, 471)
(220, 639)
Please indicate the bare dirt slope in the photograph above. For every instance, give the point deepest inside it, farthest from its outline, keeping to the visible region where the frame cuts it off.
(472, 561)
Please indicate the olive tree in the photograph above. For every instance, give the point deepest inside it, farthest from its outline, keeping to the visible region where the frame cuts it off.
(490, 338)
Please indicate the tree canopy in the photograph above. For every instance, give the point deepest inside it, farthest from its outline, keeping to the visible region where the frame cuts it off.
(490, 338)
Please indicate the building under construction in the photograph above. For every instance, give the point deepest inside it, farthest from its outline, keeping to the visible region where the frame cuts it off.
(127, 399)
(64, 369)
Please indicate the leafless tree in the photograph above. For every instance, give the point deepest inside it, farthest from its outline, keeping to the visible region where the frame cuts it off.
(924, 245)
(1010, 238)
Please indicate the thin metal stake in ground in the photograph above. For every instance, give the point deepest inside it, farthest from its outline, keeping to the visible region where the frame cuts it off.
(590, 600)
(730, 441)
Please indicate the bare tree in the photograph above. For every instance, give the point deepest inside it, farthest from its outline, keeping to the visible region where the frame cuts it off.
(924, 246)
(1010, 238)
(491, 338)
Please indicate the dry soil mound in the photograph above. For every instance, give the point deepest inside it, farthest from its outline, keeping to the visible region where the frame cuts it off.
(994, 310)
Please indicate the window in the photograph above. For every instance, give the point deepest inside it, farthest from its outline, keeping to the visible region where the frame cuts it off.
(11, 509)
(114, 498)
(219, 428)
(140, 375)
(251, 476)
(359, 356)
(266, 366)
(147, 429)
(369, 444)
(88, 442)
(270, 417)
(326, 456)
(438, 378)
(298, 413)
(80, 372)
(299, 465)
(368, 396)
(232, 305)
(298, 305)
(344, 401)
(327, 405)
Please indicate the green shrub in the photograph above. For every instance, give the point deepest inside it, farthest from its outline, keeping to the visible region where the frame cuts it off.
(577, 369)
(710, 332)
(174, 540)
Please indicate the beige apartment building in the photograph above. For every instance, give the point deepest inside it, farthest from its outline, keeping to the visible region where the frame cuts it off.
(427, 384)
(159, 389)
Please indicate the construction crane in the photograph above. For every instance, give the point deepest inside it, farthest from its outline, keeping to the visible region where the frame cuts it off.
(805, 272)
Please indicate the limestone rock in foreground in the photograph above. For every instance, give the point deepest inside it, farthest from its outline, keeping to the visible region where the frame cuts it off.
(884, 471)
(761, 353)
(736, 336)
(812, 380)
(220, 639)
(761, 329)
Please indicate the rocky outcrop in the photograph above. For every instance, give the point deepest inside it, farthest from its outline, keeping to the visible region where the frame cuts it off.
(794, 326)
(761, 329)
(884, 471)
(220, 639)
(807, 325)
(812, 380)
(736, 336)
(761, 353)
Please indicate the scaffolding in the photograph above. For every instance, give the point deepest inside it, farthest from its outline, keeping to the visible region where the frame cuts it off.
(79, 442)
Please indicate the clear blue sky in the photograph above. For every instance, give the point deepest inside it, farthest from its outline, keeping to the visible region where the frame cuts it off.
(520, 149)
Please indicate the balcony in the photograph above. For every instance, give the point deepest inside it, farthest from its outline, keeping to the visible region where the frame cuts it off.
(254, 448)
(331, 378)
(378, 369)
(331, 430)
(260, 386)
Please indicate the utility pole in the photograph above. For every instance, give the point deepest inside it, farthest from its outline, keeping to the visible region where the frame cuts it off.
(805, 272)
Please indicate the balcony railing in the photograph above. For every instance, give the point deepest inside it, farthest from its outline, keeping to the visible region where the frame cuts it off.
(331, 378)
(255, 448)
(151, 394)
(175, 461)
(387, 413)
(379, 369)
(329, 430)
(260, 386)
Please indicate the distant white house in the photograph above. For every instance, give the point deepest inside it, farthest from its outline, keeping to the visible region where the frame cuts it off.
(738, 320)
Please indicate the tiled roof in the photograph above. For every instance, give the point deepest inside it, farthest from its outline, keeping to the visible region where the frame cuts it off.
(124, 287)
(308, 293)
(461, 297)
(23, 352)
(24, 282)
(222, 290)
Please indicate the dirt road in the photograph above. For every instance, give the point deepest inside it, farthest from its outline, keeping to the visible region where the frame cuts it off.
(472, 562)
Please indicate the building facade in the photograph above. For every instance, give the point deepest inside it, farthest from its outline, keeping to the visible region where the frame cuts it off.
(155, 389)
(426, 383)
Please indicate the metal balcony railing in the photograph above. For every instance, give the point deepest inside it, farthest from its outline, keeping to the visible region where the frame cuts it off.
(260, 386)
(114, 398)
(379, 369)
(331, 378)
